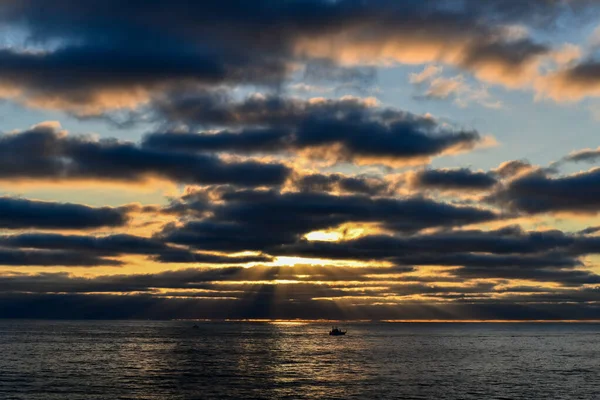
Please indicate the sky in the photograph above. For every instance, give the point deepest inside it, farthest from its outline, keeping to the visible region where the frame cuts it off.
(300, 159)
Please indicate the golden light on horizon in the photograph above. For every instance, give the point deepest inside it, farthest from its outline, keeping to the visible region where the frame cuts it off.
(284, 261)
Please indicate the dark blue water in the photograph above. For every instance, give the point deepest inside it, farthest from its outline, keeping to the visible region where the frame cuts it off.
(170, 360)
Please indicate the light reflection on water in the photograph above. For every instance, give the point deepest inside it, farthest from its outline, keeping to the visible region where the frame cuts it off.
(170, 360)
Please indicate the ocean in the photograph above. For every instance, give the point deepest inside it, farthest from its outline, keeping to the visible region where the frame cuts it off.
(50, 360)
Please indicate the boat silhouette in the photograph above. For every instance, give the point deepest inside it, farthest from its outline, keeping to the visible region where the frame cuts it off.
(336, 332)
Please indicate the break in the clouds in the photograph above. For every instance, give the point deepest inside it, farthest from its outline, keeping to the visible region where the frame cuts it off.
(201, 177)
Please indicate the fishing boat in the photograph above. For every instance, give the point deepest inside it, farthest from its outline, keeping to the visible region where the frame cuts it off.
(336, 332)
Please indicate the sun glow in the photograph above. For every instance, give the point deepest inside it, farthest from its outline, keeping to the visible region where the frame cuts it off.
(283, 261)
(324, 236)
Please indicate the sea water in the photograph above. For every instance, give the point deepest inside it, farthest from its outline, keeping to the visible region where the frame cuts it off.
(258, 360)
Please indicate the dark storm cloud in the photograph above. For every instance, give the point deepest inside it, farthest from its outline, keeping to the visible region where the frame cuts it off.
(544, 267)
(505, 241)
(249, 284)
(235, 292)
(507, 253)
(73, 306)
(566, 277)
(52, 155)
(488, 262)
(16, 213)
(231, 279)
(218, 108)
(232, 42)
(337, 130)
(257, 291)
(348, 184)
(590, 230)
(571, 295)
(119, 244)
(454, 179)
(111, 244)
(256, 220)
(24, 258)
(79, 75)
(190, 257)
(89, 19)
(538, 193)
(540, 11)
(246, 141)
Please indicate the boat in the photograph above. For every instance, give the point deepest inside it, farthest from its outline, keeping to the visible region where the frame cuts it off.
(336, 332)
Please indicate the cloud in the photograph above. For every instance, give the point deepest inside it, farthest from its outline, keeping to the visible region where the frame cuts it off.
(594, 39)
(228, 278)
(536, 193)
(274, 219)
(572, 83)
(16, 213)
(427, 74)
(326, 71)
(88, 80)
(117, 245)
(509, 169)
(414, 35)
(442, 88)
(508, 253)
(53, 155)
(345, 130)
(102, 55)
(524, 271)
(25, 258)
(363, 284)
(217, 108)
(182, 257)
(504, 241)
(586, 155)
(104, 245)
(453, 180)
(433, 86)
(589, 230)
(264, 304)
(373, 186)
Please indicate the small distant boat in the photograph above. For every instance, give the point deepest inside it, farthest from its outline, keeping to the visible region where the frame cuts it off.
(195, 327)
(336, 332)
